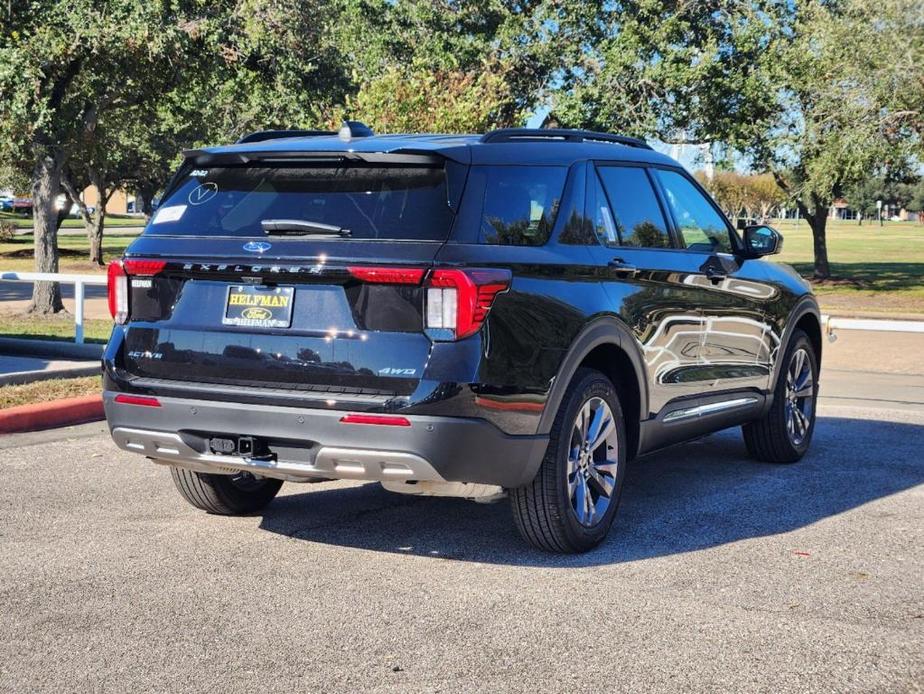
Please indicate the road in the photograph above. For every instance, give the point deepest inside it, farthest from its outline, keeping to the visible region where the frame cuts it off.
(721, 575)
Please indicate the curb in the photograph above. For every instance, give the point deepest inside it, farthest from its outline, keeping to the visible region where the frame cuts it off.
(48, 415)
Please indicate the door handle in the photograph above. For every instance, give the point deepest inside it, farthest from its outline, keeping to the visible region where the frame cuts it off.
(621, 267)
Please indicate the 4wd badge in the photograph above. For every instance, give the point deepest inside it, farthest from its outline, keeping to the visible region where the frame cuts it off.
(389, 371)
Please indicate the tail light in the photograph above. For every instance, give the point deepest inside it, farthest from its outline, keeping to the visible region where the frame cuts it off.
(117, 283)
(458, 301)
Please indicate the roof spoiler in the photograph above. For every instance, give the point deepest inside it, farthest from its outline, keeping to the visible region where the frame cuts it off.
(264, 135)
(349, 130)
(560, 135)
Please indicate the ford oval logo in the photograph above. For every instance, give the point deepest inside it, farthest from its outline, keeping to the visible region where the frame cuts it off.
(257, 246)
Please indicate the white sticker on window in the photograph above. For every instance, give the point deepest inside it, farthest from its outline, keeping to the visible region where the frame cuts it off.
(169, 214)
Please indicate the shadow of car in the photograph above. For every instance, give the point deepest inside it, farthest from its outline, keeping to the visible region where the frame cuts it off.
(687, 498)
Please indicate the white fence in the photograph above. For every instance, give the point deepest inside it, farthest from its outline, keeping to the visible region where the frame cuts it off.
(79, 282)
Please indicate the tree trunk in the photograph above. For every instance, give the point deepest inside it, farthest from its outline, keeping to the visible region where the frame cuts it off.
(817, 218)
(46, 185)
(95, 232)
(146, 192)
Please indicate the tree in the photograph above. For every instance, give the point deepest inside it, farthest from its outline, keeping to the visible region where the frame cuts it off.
(916, 199)
(421, 99)
(75, 74)
(420, 65)
(810, 92)
(836, 122)
(64, 66)
(684, 73)
(765, 195)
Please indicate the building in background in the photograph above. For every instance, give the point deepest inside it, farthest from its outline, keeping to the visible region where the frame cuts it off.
(120, 202)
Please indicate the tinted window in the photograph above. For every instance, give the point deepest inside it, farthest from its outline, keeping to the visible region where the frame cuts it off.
(520, 203)
(373, 202)
(702, 227)
(636, 213)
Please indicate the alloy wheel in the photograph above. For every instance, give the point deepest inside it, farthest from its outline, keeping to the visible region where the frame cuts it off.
(800, 396)
(592, 461)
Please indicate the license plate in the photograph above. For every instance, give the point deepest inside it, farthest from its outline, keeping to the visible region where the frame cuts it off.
(259, 307)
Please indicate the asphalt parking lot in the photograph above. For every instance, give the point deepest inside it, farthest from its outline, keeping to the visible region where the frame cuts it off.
(721, 574)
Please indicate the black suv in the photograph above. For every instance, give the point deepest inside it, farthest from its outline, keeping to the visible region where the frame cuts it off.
(521, 312)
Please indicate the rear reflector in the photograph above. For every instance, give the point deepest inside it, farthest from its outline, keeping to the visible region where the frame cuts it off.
(140, 400)
(387, 275)
(377, 419)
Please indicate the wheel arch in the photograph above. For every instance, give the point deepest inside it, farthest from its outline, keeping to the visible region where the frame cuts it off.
(607, 345)
(805, 316)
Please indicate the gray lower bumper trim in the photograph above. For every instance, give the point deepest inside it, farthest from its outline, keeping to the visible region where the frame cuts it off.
(312, 443)
(329, 462)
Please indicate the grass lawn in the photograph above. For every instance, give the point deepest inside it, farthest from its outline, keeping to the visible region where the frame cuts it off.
(877, 269)
(18, 254)
(52, 389)
(60, 327)
(112, 220)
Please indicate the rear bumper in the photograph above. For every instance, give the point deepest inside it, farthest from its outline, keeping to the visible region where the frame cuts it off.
(309, 444)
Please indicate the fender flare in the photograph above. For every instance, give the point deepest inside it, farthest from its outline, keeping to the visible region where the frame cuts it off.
(600, 331)
(807, 304)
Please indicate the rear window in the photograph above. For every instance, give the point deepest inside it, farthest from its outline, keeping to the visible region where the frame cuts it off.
(371, 201)
(520, 203)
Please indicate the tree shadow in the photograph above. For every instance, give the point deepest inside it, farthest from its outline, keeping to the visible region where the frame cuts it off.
(691, 497)
(881, 277)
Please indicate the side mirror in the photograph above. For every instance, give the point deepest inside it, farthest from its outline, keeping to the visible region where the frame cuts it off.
(760, 240)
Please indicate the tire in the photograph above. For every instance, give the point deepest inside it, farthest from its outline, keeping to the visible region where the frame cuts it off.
(783, 435)
(225, 495)
(548, 511)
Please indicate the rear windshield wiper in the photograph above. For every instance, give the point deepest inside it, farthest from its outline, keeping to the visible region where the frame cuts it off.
(302, 226)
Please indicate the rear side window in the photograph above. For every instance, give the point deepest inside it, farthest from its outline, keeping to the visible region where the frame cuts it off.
(520, 203)
(372, 201)
(702, 227)
(636, 213)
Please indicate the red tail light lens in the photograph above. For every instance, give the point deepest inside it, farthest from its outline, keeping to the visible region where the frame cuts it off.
(377, 419)
(145, 268)
(117, 283)
(387, 275)
(459, 300)
(117, 286)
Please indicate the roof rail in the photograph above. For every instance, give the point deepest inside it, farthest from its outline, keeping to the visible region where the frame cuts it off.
(560, 135)
(263, 135)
